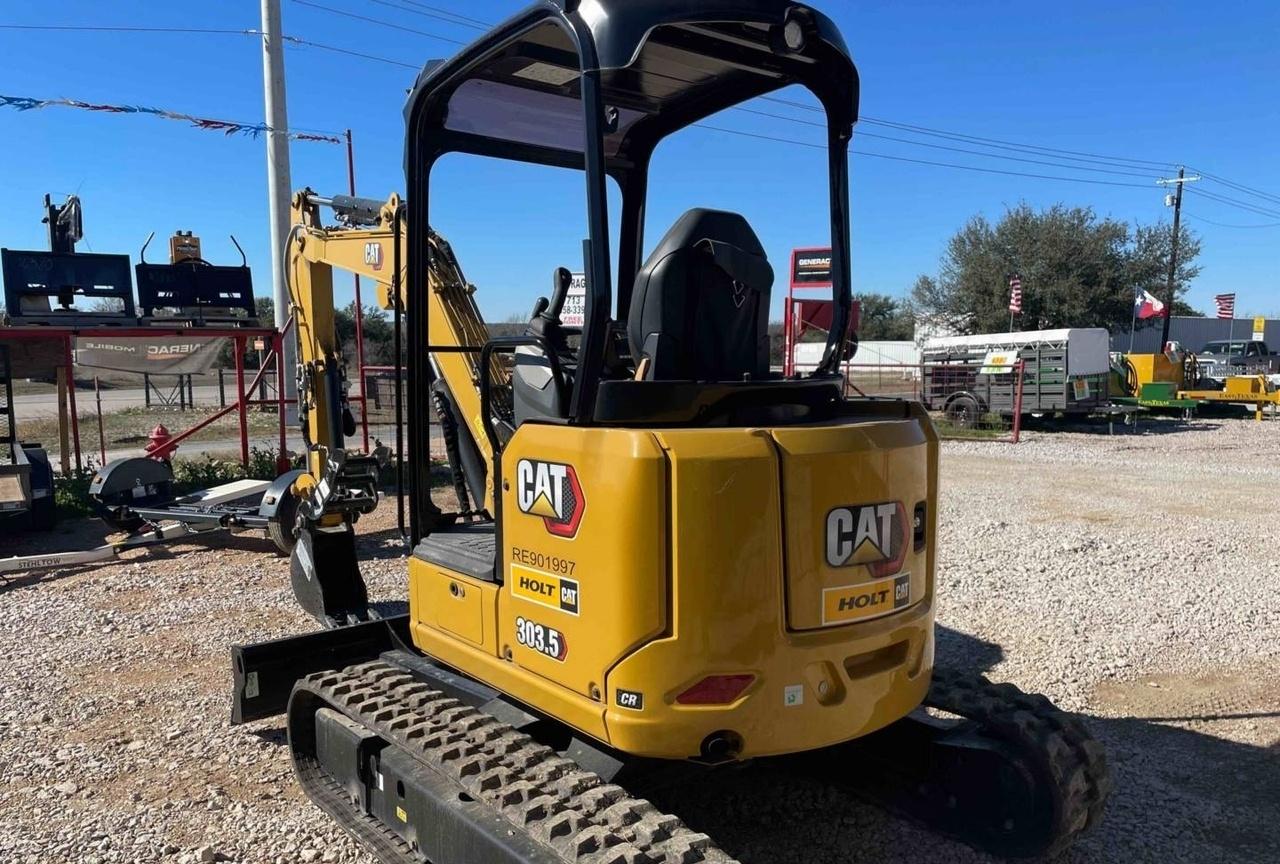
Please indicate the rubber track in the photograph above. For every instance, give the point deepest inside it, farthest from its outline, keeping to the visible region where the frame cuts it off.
(572, 813)
(1071, 756)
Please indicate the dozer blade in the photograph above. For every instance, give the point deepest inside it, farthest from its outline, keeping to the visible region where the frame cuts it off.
(326, 576)
(1003, 771)
(417, 776)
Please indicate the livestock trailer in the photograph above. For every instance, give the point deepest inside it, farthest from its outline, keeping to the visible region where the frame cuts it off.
(1062, 371)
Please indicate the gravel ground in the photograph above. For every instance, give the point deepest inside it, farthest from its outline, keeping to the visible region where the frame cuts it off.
(1132, 578)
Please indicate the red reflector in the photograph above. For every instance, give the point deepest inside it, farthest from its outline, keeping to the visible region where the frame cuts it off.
(716, 690)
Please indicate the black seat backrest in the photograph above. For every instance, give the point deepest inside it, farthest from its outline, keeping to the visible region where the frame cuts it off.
(700, 306)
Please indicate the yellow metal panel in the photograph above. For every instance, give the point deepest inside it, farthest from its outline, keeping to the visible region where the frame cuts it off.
(455, 603)
(485, 664)
(1155, 367)
(728, 614)
(659, 560)
(857, 486)
(1245, 385)
(584, 543)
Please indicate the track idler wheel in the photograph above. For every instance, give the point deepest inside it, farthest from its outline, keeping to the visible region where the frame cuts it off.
(1016, 776)
(1003, 771)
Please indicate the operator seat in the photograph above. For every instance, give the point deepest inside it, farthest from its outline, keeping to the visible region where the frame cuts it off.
(700, 305)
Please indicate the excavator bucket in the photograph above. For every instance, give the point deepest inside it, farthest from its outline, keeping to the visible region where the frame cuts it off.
(326, 577)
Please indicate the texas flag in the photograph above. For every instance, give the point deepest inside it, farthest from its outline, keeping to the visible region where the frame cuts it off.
(1147, 306)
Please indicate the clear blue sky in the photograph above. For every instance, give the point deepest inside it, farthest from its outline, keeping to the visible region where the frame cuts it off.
(1173, 81)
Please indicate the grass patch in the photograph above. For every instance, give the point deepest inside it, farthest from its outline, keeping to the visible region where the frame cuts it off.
(988, 428)
(131, 426)
(71, 494)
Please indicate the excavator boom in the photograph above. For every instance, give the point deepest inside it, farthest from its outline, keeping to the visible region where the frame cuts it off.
(370, 242)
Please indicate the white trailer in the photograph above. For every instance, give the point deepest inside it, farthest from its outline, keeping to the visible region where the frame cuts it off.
(1063, 371)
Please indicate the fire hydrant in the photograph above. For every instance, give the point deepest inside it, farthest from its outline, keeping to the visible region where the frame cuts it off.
(158, 446)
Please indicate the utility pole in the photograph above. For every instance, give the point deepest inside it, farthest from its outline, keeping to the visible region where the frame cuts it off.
(279, 184)
(1180, 181)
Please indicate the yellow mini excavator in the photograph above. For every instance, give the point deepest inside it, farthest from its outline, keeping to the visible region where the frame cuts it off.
(665, 557)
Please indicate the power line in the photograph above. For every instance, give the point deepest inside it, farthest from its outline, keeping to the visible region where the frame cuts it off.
(379, 22)
(124, 29)
(436, 13)
(1074, 155)
(1231, 225)
(1243, 205)
(294, 40)
(1217, 196)
(945, 147)
(475, 21)
(1240, 187)
(996, 142)
(1115, 162)
(923, 161)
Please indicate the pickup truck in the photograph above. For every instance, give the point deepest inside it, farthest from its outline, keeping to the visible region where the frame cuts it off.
(1222, 358)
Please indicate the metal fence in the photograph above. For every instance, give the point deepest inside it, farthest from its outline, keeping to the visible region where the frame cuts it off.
(945, 389)
(878, 380)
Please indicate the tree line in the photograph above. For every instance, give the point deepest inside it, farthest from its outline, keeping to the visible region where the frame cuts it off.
(1076, 269)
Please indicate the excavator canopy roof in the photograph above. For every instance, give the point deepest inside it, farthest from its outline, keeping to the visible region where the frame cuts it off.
(661, 65)
(596, 85)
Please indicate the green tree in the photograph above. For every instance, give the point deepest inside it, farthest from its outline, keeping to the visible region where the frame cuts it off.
(379, 335)
(1077, 270)
(884, 318)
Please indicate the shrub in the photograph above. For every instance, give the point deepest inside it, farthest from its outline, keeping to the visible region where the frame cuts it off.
(71, 494)
(192, 474)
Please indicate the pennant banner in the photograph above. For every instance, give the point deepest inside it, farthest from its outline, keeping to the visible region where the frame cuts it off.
(228, 127)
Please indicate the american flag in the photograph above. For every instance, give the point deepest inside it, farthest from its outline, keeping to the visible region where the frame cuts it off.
(1015, 294)
(1226, 305)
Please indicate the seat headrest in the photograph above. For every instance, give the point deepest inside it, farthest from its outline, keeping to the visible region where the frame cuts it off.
(701, 223)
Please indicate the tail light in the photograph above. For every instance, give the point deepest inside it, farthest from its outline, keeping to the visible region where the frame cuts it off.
(716, 690)
(918, 527)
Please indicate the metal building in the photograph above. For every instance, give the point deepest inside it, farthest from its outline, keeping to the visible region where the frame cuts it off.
(1192, 333)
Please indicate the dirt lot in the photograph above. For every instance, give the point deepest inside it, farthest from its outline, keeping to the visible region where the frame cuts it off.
(1135, 579)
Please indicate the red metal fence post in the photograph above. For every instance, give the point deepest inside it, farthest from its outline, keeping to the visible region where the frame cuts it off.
(238, 343)
(71, 397)
(1017, 404)
(277, 346)
(102, 437)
